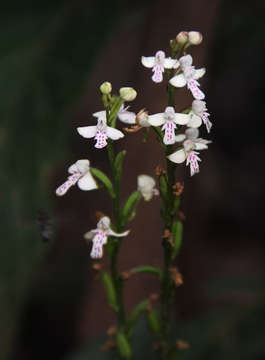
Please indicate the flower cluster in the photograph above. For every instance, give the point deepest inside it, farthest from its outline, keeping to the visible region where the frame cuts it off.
(182, 73)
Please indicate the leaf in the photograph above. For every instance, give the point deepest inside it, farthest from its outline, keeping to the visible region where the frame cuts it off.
(130, 207)
(177, 230)
(104, 179)
(154, 321)
(118, 164)
(139, 308)
(110, 290)
(123, 346)
(146, 269)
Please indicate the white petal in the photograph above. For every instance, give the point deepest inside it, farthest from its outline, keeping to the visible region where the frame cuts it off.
(180, 137)
(113, 233)
(90, 234)
(200, 146)
(171, 63)
(114, 134)
(195, 121)
(178, 81)
(182, 119)
(199, 73)
(156, 119)
(148, 61)
(100, 114)
(128, 117)
(87, 131)
(178, 156)
(185, 60)
(87, 182)
(82, 165)
(192, 133)
(73, 169)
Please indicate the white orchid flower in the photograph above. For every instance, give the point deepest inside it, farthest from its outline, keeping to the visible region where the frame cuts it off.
(101, 132)
(146, 185)
(168, 119)
(191, 143)
(189, 77)
(81, 175)
(197, 115)
(99, 236)
(158, 63)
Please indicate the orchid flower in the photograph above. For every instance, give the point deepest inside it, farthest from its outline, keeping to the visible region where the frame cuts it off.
(127, 117)
(99, 236)
(146, 186)
(81, 175)
(101, 132)
(189, 77)
(168, 119)
(158, 63)
(191, 143)
(197, 114)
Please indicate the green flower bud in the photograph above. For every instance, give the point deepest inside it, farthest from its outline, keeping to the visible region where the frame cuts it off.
(182, 37)
(195, 37)
(128, 93)
(106, 88)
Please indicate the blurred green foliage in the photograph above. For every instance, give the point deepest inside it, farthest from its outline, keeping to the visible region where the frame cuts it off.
(47, 52)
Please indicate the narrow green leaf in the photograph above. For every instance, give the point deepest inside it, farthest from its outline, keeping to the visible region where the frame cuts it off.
(110, 290)
(123, 346)
(139, 308)
(146, 269)
(104, 179)
(130, 207)
(118, 164)
(154, 321)
(177, 230)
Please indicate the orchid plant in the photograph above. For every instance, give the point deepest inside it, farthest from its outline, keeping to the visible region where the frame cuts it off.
(171, 128)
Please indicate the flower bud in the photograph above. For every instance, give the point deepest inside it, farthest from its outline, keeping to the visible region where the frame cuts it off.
(128, 93)
(182, 37)
(195, 37)
(106, 88)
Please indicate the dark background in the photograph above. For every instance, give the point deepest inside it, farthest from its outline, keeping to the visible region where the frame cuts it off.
(53, 57)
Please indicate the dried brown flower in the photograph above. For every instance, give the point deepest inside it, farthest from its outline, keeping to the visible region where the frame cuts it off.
(176, 276)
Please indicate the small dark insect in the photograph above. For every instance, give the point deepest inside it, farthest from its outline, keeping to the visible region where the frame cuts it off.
(45, 225)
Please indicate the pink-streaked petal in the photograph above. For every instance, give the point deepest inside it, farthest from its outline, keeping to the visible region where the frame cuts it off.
(87, 131)
(193, 86)
(114, 134)
(169, 137)
(101, 137)
(195, 121)
(156, 119)
(158, 73)
(171, 63)
(199, 73)
(192, 160)
(178, 156)
(87, 182)
(72, 180)
(98, 241)
(206, 121)
(178, 80)
(73, 169)
(148, 61)
(182, 119)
